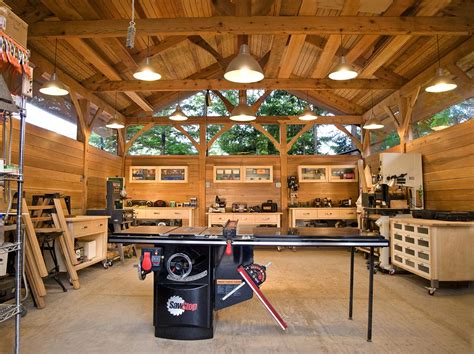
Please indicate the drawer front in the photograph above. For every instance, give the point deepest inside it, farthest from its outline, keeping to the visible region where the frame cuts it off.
(397, 236)
(140, 213)
(347, 214)
(423, 242)
(83, 228)
(166, 214)
(423, 268)
(219, 219)
(306, 214)
(266, 219)
(398, 227)
(246, 219)
(328, 214)
(423, 231)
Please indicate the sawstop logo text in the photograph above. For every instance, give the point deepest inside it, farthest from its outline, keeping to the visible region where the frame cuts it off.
(176, 306)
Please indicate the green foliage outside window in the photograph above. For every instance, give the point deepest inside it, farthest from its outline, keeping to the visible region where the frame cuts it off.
(104, 139)
(456, 114)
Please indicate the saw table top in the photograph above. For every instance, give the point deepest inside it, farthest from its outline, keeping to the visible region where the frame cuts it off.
(250, 236)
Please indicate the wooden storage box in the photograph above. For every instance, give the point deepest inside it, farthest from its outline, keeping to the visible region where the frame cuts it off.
(12, 25)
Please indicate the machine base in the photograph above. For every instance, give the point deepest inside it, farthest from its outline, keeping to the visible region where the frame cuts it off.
(184, 333)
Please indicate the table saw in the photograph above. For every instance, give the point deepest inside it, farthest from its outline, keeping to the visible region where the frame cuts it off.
(199, 270)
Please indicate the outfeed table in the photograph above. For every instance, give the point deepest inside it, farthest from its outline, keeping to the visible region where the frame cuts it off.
(198, 270)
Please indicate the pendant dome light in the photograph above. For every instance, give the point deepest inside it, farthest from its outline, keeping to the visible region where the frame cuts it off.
(441, 82)
(242, 112)
(343, 71)
(54, 87)
(244, 68)
(178, 114)
(114, 123)
(307, 114)
(145, 71)
(372, 123)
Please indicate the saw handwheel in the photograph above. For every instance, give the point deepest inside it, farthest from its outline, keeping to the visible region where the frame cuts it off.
(179, 265)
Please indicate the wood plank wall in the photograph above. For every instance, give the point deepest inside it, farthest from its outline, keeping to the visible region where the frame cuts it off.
(54, 163)
(250, 193)
(335, 191)
(448, 166)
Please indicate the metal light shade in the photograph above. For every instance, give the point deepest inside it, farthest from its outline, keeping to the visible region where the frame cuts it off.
(441, 83)
(242, 113)
(114, 123)
(343, 71)
(145, 72)
(178, 115)
(54, 87)
(244, 68)
(439, 127)
(307, 115)
(373, 124)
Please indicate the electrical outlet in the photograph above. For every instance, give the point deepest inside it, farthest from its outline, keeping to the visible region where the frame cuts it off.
(27, 85)
(278, 184)
(208, 184)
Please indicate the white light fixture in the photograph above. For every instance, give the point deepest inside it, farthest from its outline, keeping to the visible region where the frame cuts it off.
(54, 87)
(145, 71)
(242, 113)
(244, 68)
(439, 127)
(114, 123)
(441, 82)
(343, 71)
(307, 114)
(178, 114)
(372, 123)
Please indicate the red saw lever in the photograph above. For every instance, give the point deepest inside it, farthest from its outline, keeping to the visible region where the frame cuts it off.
(228, 248)
(146, 262)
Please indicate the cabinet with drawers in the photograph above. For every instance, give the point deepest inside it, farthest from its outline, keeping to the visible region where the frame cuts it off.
(244, 218)
(186, 214)
(321, 214)
(89, 228)
(435, 250)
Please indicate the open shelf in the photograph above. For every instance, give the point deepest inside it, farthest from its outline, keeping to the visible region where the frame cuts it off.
(8, 311)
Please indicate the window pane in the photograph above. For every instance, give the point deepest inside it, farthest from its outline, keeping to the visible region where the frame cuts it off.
(104, 139)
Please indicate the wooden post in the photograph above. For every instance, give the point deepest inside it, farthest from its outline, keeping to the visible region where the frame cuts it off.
(202, 174)
(284, 174)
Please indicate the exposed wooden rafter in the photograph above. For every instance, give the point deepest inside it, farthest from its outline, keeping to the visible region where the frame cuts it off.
(260, 120)
(266, 84)
(305, 25)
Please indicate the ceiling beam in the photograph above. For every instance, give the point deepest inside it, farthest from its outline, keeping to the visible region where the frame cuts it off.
(305, 25)
(222, 84)
(260, 120)
(422, 78)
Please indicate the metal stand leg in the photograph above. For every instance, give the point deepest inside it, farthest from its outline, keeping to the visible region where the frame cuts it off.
(371, 294)
(351, 286)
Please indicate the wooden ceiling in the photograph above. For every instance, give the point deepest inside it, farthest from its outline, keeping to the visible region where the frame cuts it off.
(390, 42)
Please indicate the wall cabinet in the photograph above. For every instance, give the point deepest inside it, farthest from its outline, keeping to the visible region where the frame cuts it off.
(435, 250)
(321, 214)
(331, 173)
(244, 218)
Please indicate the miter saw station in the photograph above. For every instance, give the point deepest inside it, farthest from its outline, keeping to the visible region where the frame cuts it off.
(199, 270)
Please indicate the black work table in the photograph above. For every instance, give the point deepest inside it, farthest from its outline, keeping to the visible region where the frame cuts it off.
(264, 236)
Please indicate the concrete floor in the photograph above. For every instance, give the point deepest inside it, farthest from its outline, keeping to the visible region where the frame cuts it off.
(112, 313)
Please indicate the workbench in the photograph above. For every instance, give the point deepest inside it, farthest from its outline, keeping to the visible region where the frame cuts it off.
(307, 214)
(220, 269)
(185, 214)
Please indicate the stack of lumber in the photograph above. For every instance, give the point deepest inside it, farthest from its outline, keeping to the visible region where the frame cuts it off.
(41, 220)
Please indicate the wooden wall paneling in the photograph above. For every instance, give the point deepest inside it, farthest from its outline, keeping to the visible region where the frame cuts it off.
(336, 191)
(448, 166)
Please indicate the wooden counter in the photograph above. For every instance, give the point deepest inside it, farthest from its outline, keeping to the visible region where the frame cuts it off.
(321, 214)
(245, 218)
(186, 214)
(433, 249)
(89, 228)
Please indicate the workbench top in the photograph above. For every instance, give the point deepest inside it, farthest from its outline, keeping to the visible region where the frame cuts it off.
(430, 222)
(86, 218)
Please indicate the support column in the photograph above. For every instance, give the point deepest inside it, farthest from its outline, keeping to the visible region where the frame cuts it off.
(284, 174)
(202, 174)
